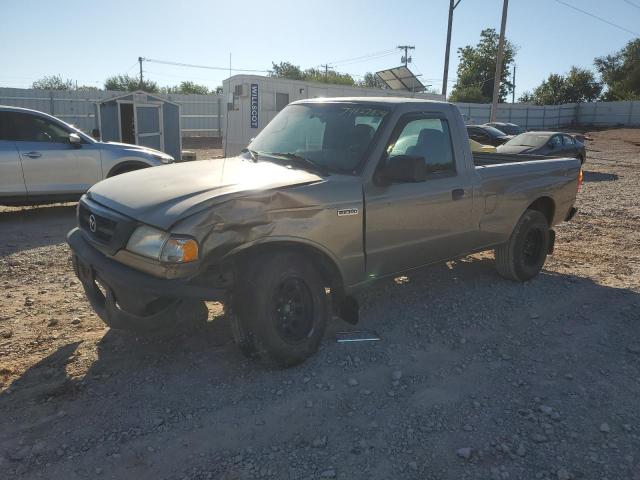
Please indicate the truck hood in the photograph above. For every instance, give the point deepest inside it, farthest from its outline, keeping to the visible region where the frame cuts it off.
(160, 196)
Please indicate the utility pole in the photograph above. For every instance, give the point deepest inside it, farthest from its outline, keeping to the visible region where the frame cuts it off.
(513, 92)
(326, 69)
(445, 77)
(496, 79)
(140, 59)
(406, 58)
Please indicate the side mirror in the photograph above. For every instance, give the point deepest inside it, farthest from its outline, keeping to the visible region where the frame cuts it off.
(405, 168)
(74, 139)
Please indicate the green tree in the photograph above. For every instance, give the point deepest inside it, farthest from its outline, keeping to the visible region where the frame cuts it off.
(126, 83)
(371, 80)
(294, 72)
(468, 94)
(53, 82)
(579, 85)
(286, 70)
(551, 91)
(621, 72)
(88, 88)
(329, 76)
(526, 97)
(187, 87)
(477, 67)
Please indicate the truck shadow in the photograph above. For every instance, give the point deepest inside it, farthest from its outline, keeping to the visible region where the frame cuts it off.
(599, 176)
(33, 227)
(427, 295)
(420, 318)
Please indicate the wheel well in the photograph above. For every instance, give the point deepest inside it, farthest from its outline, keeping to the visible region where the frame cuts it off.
(325, 264)
(127, 166)
(546, 206)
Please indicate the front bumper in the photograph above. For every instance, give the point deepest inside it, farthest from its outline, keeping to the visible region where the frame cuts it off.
(120, 294)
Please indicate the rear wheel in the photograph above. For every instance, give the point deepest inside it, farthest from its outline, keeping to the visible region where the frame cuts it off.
(279, 309)
(523, 256)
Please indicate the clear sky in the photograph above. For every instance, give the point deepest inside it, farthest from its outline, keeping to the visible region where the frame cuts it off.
(87, 41)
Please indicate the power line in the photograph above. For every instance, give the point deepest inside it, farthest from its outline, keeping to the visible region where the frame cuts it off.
(207, 67)
(365, 56)
(599, 18)
(366, 59)
(632, 4)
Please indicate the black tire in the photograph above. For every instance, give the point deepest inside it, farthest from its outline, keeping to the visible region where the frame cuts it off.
(279, 309)
(126, 169)
(523, 256)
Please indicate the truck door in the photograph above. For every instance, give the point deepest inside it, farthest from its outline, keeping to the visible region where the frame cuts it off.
(50, 163)
(412, 224)
(11, 180)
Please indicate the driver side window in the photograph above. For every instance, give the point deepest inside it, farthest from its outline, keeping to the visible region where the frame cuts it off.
(31, 128)
(556, 141)
(428, 138)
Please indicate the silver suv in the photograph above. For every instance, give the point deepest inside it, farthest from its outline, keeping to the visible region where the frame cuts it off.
(43, 159)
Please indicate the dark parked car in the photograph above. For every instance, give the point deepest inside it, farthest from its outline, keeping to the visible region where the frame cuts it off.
(486, 135)
(550, 144)
(507, 128)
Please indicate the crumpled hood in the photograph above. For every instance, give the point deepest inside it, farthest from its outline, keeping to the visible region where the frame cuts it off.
(160, 196)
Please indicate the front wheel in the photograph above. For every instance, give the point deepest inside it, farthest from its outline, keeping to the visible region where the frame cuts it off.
(279, 309)
(523, 256)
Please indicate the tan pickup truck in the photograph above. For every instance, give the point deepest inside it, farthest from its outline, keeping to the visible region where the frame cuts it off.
(332, 195)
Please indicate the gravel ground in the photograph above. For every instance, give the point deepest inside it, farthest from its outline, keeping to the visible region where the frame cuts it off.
(475, 376)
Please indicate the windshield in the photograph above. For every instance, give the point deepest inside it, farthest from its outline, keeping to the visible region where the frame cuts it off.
(493, 131)
(333, 136)
(529, 140)
(512, 129)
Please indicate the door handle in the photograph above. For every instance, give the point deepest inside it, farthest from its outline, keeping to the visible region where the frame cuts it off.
(457, 194)
(32, 154)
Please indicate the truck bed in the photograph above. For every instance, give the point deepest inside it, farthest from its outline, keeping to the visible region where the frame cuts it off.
(482, 159)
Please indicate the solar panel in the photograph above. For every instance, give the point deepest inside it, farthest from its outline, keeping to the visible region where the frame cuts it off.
(401, 78)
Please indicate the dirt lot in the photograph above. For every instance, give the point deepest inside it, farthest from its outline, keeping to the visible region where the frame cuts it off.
(475, 376)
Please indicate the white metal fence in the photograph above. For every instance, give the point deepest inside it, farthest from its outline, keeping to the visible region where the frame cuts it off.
(553, 116)
(202, 115)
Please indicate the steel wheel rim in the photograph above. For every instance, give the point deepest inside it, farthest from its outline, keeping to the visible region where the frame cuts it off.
(532, 247)
(293, 310)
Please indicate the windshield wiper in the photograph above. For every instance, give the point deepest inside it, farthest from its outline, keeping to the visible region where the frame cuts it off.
(253, 153)
(300, 159)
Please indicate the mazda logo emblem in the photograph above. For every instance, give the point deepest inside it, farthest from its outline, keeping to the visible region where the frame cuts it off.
(92, 223)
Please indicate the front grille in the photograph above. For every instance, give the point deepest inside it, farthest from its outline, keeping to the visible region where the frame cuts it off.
(104, 227)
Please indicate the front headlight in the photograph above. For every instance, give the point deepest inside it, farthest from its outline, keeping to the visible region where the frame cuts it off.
(164, 158)
(153, 243)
